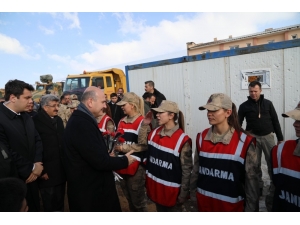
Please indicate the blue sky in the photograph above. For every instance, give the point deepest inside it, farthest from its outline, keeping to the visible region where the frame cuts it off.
(33, 44)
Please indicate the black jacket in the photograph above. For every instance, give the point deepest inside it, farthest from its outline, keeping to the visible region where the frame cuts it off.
(51, 132)
(91, 184)
(261, 117)
(7, 167)
(19, 135)
(116, 113)
(159, 97)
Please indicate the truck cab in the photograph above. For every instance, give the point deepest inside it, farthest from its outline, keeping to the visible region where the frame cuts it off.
(109, 80)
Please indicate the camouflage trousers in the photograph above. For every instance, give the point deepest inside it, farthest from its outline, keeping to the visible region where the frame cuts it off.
(265, 144)
(133, 188)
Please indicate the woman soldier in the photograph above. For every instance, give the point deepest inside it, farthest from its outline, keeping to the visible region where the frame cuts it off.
(135, 135)
(169, 160)
(228, 165)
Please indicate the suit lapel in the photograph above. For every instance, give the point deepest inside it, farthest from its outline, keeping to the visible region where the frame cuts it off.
(30, 132)
(46, 119)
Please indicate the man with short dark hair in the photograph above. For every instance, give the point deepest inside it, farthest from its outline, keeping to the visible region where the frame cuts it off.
(31, 110)
(116, 112)
(262, 122)
(91, 184)
(149, 101)
(12, 195)
(120, 93)
(53, 180)
(18, 134)
(149, 87)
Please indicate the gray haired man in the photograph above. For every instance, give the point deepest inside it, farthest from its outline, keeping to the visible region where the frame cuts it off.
(53, 180)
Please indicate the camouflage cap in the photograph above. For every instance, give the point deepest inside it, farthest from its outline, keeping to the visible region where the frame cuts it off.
(294, 114)
(217, 101)
(167, 106)
(74, 97)
(129, 97)
(72, 105)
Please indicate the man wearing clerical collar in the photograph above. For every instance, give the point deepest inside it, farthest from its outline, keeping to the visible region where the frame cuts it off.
(18, 134)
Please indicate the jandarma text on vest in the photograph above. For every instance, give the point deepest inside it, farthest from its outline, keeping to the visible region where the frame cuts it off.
(216, 173)
(290, 198)
(161, 163)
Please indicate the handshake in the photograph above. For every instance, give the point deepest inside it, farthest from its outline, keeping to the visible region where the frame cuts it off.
(36, 172)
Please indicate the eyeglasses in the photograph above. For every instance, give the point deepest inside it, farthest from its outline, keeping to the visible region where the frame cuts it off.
(53, 106)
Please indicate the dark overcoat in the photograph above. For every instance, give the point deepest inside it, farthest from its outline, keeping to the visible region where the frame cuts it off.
(51, 132)
(116, 113)
(18, 134)
(91, 184)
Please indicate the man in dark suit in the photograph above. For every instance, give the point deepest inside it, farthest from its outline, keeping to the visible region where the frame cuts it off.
(51, 128)
(91, 184)
(116, 112)
(7, 167)
(18, 134)
(159, 97)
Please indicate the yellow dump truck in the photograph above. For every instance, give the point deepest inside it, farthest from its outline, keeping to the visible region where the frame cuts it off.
(110, 80)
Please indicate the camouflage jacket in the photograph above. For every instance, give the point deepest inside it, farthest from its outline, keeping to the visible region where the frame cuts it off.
(63, 112)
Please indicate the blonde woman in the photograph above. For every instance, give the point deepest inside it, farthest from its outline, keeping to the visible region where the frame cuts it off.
(135, 135)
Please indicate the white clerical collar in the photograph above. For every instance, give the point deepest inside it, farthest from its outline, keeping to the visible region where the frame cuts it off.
(10, 108)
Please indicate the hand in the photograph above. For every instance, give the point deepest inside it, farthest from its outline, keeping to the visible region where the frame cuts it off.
(118, 148)
(38, 168)
(112, 154)
(148, 118)
(32, 177)
(45, 176)
(130, 158)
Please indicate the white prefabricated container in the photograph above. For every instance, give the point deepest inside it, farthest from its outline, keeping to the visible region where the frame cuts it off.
(190, 80)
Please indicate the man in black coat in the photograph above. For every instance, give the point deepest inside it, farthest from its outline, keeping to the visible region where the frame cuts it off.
(51, 128)
(262, 122)
(7, 167)
(116, 112)
(159, 97)
(18, 134)
(91, 184)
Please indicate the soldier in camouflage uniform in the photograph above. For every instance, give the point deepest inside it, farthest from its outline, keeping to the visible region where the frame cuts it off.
(221, 149)
(70, 109)
(74, 99)
(166, 135)
(63, 110)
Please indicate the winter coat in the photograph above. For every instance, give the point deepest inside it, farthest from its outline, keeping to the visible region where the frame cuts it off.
(91, 184)
(51, 132)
